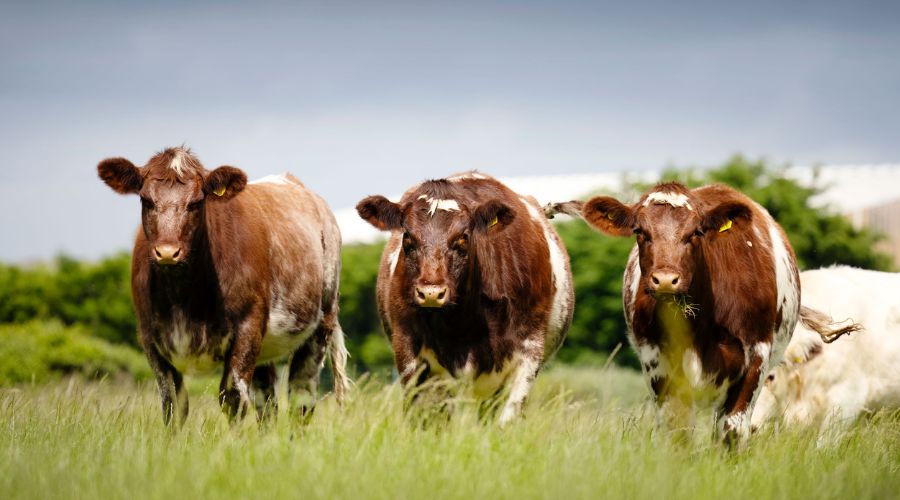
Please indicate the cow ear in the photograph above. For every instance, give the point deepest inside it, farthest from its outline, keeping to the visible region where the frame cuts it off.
(381, 213)
(493, 214)
(724, 216)
(609, 215)
(121, 175)
(224, 183)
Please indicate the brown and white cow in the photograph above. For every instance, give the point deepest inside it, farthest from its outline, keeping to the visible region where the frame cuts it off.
(711, 296)
(232, 275)
(474, 284)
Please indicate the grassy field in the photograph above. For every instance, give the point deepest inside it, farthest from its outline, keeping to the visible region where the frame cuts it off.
(588, 433)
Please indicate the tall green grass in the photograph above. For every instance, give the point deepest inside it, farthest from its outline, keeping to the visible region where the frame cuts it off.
(586, 434)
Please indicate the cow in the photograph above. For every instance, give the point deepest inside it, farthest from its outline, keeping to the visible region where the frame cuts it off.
(711, 295)
(831, 385)
(232, 276)
(474, 285)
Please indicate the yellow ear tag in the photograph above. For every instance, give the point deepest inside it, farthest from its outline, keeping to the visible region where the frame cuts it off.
(220, 191)
(726, 226)
(493, 222)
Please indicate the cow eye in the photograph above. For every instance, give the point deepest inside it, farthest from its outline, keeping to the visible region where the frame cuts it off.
(641, 235)
(408, 244)
(461, 244)
(770, 378)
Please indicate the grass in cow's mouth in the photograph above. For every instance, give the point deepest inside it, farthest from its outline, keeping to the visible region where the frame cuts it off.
(688, 308)
(682, 303)
(587, 433)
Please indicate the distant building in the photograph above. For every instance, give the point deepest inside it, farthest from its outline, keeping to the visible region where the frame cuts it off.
(885, 218)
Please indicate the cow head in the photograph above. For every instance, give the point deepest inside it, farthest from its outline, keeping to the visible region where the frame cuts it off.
(440, 235)
(174, 189)
(670, 225)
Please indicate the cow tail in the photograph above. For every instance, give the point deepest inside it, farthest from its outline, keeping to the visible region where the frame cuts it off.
(825, 326)
(572, 208)
(337, 353)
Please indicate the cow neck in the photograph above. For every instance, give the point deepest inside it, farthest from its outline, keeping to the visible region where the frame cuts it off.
(681, 321)
(463, 323)
(192, 285)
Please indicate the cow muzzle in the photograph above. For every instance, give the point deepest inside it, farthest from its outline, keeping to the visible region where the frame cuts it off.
(167, 255)
(431, 296)
(665, 282)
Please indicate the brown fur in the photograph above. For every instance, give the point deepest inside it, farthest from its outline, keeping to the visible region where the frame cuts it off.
(239, 257)
(494, 259)
(728, 277)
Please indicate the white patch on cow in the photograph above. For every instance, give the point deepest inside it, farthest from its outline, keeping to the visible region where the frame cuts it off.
(520, 386)
(631, 281)
(181, 337)
(485, 385)
(410, 369)
(763, 349)
(467, 175)
(737, 422)
(648, 354)
(677, 200)
(274, 179)
(392, 259)
(693, 368)
(560, 308)
(242, 388)
(285, 332)
(183, 357)
(788, 290)
(178, 162)
(279, 344)
(435, 204)
(531, 345)
(749, 243)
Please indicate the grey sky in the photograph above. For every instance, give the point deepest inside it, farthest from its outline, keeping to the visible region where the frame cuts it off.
(366, 97)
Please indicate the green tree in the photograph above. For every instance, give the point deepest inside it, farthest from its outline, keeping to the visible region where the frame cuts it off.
(96, 296)
(366, 341)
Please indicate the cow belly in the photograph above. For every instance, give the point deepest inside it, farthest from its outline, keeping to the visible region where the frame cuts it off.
(286, 331)
(478, 385)
(279, 344)
(195, 364)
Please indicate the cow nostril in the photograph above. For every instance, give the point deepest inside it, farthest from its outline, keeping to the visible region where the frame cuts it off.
(442, 294)
(420, 294)
(675, 280)
(655, 280)
(176, 254)
(157, 252)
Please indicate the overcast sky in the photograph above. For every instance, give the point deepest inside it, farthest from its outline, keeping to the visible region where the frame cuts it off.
(358, 98)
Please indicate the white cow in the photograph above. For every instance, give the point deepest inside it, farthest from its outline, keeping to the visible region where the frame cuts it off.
(832, 384)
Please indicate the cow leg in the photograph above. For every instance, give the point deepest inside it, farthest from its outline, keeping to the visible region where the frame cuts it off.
(734, 418)
(234, 390)
(303, 378)
(520, 385)
(265, 377)
(171, 387)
